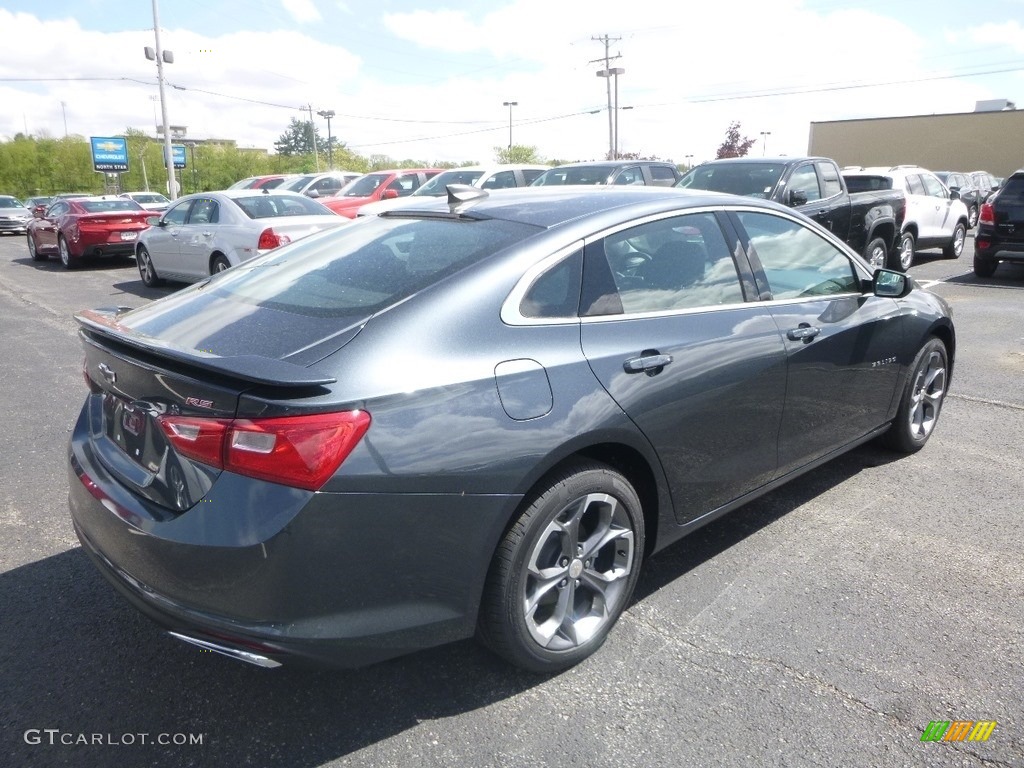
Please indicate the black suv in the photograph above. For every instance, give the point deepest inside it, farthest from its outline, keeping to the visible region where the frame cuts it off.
(1000, 234)
(964, 185)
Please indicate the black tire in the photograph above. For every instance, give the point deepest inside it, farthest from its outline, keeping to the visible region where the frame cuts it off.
(876, 253)
(956, 246)
(984, 266)
(903, 259)
(66, 259)
(147, 270)
(34, 252)
(921, 402)
(972, 217)
(218, 264)
(585, 588)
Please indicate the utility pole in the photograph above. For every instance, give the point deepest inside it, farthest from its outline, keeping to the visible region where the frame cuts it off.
(606, 73)
(312, 136)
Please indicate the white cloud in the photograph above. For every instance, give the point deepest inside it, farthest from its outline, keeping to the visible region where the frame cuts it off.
(303, 11)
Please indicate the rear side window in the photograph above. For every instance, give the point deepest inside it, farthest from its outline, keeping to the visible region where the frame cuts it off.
(556, 293)
(681, 262)
(1012, 191)
(867, 183)
(797, 262)
(366, 266)
(662, 175)
(530, 175)
(204, 211)
(830, 184)
(915, 186)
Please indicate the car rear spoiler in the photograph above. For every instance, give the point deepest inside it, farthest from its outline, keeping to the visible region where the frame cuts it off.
(252, 368)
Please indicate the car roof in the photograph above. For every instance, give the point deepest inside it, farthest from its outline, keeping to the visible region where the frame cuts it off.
(553, 206)
(611, 163)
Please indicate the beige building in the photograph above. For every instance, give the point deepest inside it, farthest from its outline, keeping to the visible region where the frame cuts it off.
(969, 141)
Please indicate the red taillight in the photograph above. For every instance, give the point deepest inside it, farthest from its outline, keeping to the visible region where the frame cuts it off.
(299, 451)
(270, 239)
(987, 216)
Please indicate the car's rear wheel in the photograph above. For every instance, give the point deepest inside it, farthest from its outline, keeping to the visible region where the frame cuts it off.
(956, 246)
(146, 269)
(905, 255)
(876, 253)
(33, 251)
(922, 399)
(984, 266)
(565, 570)
(69, 261)
(219, 264)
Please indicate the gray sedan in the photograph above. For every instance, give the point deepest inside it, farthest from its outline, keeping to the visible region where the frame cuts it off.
(14, 216)
(209, 232)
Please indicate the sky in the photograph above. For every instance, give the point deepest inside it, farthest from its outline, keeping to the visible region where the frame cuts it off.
(428, 80)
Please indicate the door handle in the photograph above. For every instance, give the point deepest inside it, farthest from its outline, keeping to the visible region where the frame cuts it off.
(803, 332)
(650, 363)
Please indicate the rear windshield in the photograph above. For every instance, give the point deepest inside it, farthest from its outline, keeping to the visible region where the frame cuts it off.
(362, 268)
(272, 206)
(746, 179)
(576, 174)
(154, 198)
(108, 206)
(1013, 190)
(436, 186)
(867, 183)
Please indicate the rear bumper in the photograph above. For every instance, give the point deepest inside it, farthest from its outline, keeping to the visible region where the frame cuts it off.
(990, 244)
(336, 579)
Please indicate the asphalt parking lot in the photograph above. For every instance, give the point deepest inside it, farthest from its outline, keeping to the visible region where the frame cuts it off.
(825, 624)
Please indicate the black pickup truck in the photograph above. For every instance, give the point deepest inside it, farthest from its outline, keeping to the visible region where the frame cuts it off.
(869, 222)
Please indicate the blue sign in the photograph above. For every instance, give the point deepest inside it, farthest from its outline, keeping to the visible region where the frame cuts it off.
(178, 153)
(109, 153)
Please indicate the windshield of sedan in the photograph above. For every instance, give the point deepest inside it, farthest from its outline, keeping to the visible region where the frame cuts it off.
(575, 174)
(10, 202)
(364, 186)
(109, 206)
(362, 268)
(150, 198)
(264, 206)
(294, 185)
(436, 186)
(746, 179)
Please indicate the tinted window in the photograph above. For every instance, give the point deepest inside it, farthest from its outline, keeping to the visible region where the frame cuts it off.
(829, 179)
(366, 266)
(678, 263)
(575, 174)
(797, 262)
(204, 211)
(530, 175)
(57, 209)
(501, 180)
(749, 179)
(1012, 192)
(272, 206)
(914, 185)
(805, 180)
(556, 293)
(664, 174)
(178, 213)
(867, 183)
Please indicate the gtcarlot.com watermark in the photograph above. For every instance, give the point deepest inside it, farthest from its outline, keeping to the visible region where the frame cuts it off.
(55, 736)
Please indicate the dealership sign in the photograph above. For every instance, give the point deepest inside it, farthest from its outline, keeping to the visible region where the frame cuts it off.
(178, 153)
(109, 153)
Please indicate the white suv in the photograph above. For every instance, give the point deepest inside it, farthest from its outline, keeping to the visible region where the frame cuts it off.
(936, 217)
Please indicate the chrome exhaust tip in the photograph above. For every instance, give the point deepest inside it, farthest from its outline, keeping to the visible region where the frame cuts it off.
(234, 653)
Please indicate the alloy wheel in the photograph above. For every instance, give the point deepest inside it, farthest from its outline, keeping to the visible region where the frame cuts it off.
(927, 394)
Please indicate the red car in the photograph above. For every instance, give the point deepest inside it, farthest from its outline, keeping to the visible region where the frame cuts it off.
(379, 185)
(85, 227)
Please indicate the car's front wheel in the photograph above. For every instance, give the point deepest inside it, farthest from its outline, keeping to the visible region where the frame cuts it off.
(956, 245)
(565, 570)
(69, 261)
(146, 269)
(922, 399)
(33, 251)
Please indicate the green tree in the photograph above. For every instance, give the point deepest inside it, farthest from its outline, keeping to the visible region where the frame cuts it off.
(298, 139)
(734, 146)
(518, 154)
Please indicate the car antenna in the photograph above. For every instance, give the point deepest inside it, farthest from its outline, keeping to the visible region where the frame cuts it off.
(461, 196)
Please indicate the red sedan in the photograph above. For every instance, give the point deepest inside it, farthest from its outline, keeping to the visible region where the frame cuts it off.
(86, 227)
(379, 185)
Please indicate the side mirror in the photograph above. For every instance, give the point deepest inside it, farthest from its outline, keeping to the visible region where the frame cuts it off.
(154, 221)
(797, 197)
(891, 285)
(954, 194)
(314, 193)
(389, 194)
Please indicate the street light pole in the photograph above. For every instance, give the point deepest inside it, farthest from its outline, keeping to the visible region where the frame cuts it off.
(510, 104)
(689, 161)
(764, 142)
(328, 114)
(616, 71)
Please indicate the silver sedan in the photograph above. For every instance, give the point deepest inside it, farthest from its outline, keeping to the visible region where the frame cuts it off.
(211, 231)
